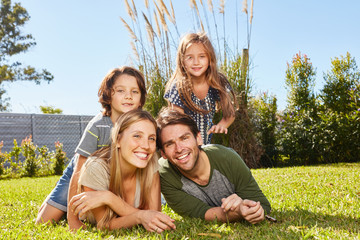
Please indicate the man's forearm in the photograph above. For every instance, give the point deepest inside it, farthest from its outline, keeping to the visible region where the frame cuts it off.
(219, 214)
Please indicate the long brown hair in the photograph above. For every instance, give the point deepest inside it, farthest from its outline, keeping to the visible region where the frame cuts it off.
(106, 88)
(110, 154)
(213, 77)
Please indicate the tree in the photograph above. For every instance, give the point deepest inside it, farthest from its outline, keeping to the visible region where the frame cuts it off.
(50, 110)
(300, 80)
(342, 82)
(298, 126)
(12, 41)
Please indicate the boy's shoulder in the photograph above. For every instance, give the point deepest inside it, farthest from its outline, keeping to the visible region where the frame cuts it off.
(100, 120)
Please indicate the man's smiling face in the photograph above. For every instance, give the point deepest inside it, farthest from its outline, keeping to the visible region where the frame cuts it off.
(180, 147)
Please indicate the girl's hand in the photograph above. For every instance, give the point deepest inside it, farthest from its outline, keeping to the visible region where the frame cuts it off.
(86, 201)
(154, 221)
(217, 129)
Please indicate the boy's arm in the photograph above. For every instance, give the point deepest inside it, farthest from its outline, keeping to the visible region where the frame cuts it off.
(73, 220)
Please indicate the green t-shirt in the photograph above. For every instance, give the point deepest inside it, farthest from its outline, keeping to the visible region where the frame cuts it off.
(228, 175)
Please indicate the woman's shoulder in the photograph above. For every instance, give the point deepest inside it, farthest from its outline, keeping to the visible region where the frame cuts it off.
(96, 174)
(96, 166)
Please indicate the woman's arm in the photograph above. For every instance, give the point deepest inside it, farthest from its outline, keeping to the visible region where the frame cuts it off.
(153, 221)
(89, 200)
(155, 197)
(85, 201)
(73, 220)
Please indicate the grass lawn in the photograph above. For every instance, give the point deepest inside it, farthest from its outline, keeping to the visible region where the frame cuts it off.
(318, 202)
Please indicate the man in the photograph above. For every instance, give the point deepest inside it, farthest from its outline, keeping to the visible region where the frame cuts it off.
(209, 182)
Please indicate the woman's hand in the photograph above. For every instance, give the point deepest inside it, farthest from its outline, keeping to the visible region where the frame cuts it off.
(86, 201)
(154, 221)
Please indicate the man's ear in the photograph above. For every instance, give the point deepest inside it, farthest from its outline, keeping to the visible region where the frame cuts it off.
(163, 154)
(199, 139)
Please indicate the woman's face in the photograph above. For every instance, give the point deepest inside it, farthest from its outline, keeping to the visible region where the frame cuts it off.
(138, 144)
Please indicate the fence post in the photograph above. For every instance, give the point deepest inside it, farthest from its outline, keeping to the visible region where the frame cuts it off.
(32, 127)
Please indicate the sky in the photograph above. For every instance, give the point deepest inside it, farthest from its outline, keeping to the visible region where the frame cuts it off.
(80, 41)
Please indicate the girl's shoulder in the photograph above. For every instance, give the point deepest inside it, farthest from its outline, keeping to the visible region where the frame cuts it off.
(171, 87)
(173, 95)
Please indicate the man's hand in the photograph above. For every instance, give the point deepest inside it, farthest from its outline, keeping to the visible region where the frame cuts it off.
(251, 211)
(231, 203)
(247, 209)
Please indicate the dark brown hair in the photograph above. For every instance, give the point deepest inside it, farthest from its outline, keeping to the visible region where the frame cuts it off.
(106, 88)
(168, 116)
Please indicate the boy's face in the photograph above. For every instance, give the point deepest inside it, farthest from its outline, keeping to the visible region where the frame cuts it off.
(126, 95)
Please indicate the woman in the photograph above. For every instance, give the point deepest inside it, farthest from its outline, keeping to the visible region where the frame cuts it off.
(126, 178)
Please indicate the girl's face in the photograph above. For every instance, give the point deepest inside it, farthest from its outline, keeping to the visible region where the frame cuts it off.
(138, 144)
(196, 60)
(126, 95)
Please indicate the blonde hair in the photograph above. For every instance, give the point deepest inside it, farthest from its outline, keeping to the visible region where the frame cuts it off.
(111, 154)
(214, 78)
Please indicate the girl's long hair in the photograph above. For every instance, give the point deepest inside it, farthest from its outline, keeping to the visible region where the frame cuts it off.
(213, 77)
(110, 154)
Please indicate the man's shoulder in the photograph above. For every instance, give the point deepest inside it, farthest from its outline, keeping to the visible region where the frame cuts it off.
(163, 162)
(216, 149)
(221, 154)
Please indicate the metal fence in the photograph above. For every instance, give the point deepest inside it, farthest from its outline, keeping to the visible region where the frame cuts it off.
(45, 129)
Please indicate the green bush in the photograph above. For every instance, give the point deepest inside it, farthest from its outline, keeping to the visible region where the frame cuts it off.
(3, 158)
(263, 112)
(339, 136)
(38, 161)
(60, 158)
(298, 137)
(28, 149)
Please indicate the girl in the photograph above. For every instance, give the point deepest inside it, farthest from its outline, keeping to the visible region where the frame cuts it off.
(128, 169)
(196, 86)
(122, 89)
